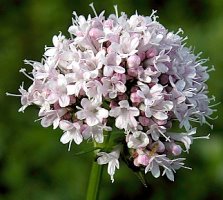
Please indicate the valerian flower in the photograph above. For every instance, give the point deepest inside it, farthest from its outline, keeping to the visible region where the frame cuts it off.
(91, 112)
(72, 132)
(128, 78)
(111, 159)
(125, 115)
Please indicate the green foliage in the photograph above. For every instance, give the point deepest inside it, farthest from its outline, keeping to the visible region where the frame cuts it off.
(34, 165)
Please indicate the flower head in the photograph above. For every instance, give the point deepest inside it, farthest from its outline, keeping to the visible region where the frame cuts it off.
(129, 76)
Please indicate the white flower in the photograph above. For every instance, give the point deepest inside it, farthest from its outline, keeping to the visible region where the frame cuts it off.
(125, 115)
(52, 117)
(185, 138)
(127, 46)
(72, 132)
(58, 46)
(153, 100)
(91, 112)
(96, 132)
(112, 86)
(156, 130)
(111, 159)
(112, 64)
(158, 62)
(137, 139)
(58, 91)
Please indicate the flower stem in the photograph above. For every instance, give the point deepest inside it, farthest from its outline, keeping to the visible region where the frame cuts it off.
(96, 172)
(94, 181)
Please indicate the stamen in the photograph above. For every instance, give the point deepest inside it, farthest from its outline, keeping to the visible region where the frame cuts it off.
(14, 95)
(211, 69)
(153, 15)
(212, 118)
(180, 30)
(38, 119)
(69, 145)
(116, 10)
(185, 38)
(92, 6)
(23, 70)
(186, 167)
(167, 138)
(202, 137)
(75, 14)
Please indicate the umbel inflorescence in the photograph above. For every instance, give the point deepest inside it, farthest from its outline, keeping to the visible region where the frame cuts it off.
(128, 77)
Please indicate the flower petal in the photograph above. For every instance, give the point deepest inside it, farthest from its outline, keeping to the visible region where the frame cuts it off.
(64, 100)
(66, 125)
(66, 137)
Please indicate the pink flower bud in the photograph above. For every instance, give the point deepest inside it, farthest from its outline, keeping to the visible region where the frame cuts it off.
(143, 159)
(132, 72)
(135, 98)
(164, 79)
(122, 97)
(144, 121)
(56, 106)
(135, 162)
(113, 104)
(134, 89)
(133, 61)
(174, 148)
(160, 122)
(120, 77)
(96, 33)
(142, 55)
(161, 147)
(108, 23)
(151, 53)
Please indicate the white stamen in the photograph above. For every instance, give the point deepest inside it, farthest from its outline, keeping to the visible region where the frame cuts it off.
(180, 30)
(167, 138)
(38, 119)
(153, 14)
(23, 70)
(211, 69)
(92, 6)
(14, 95)
(69, 145)
(202, 137)
(116, 10)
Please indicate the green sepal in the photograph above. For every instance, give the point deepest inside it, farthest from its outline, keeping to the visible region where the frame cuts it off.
(87, 151)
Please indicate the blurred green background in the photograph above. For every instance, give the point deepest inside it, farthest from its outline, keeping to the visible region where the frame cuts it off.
(35, 165)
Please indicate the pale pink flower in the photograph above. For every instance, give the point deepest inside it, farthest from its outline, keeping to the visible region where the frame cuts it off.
(71, 132)
(125, 115)
(111, 159)
(91, 112)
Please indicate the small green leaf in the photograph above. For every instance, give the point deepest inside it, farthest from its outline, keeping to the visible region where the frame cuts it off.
(87, 151)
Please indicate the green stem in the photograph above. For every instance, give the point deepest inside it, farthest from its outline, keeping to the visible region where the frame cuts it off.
(96, 172)
(94, 181)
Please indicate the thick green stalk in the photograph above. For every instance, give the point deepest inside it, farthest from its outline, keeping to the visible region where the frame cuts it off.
(96, 172)
(94, 181)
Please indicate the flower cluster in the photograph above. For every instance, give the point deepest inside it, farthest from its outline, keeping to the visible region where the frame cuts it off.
(126, 74)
